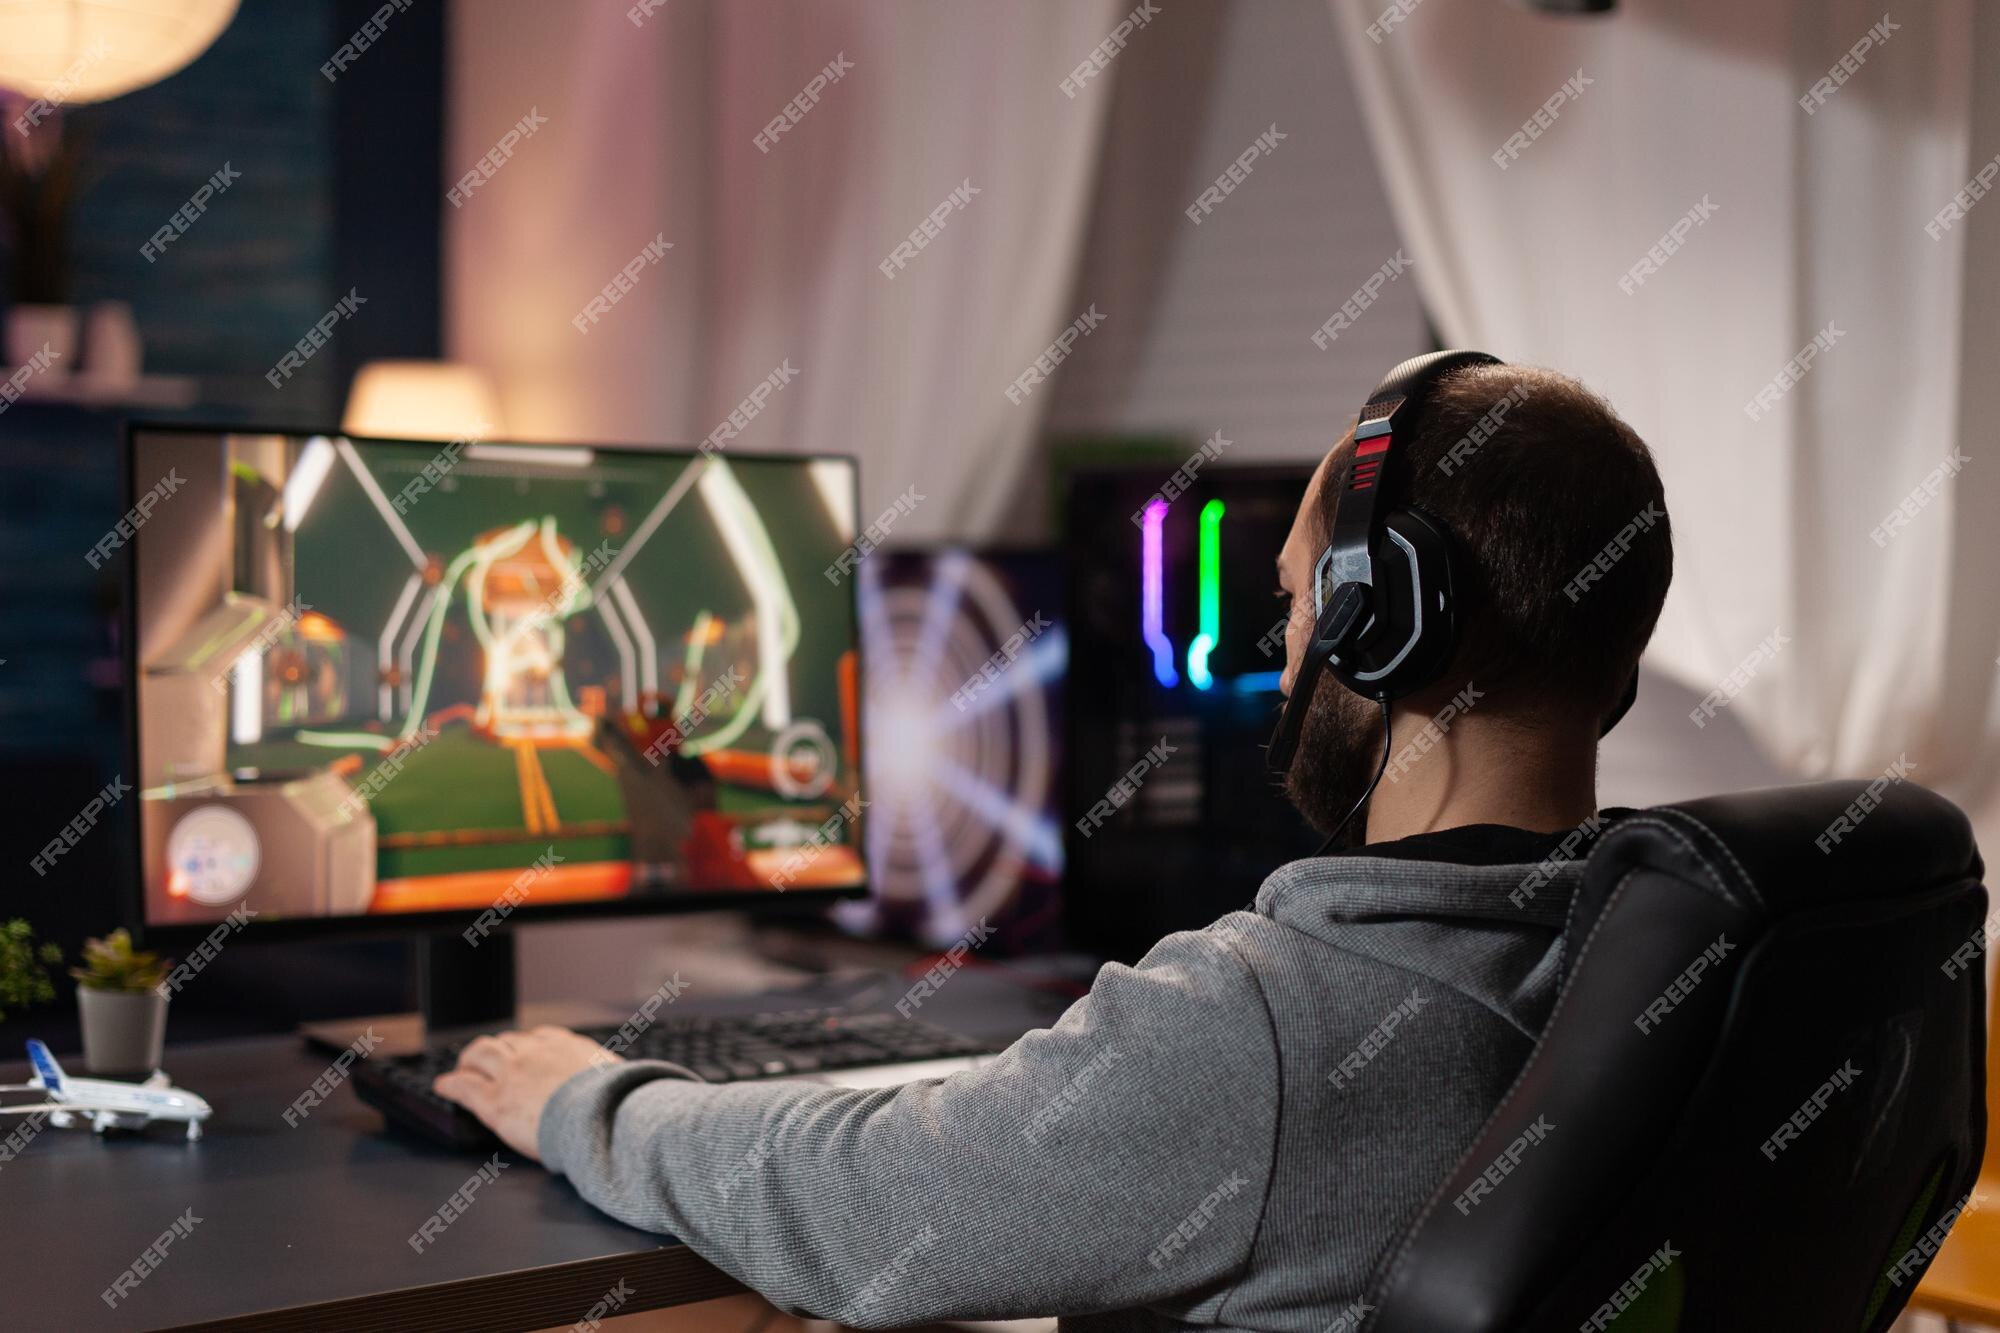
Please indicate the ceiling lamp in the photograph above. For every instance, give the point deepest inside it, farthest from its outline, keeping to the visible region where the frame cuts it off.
(71, 51)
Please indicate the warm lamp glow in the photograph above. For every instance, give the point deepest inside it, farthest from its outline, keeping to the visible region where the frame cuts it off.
(422, 400)
(88, 50)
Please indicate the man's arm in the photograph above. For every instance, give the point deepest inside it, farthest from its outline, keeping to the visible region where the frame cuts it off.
(1117, 1158)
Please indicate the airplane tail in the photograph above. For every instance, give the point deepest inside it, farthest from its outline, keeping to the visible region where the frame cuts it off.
(46, 1068)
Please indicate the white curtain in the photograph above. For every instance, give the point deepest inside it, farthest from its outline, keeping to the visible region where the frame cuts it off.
(1799, 225)
(651, 131)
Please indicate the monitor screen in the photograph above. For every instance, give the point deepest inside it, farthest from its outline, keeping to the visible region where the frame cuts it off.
(380, 678)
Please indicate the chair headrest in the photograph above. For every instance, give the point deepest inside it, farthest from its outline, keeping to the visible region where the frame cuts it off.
(1786, 849)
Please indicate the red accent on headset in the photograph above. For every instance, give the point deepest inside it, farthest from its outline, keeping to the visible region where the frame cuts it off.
(1379, 444)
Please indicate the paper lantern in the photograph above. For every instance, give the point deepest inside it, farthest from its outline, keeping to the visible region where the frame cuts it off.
(70, 51)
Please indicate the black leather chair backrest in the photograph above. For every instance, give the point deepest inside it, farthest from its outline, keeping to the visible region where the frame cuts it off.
(1762, 1084)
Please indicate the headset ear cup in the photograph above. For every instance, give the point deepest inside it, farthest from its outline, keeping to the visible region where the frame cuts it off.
(1414, 628)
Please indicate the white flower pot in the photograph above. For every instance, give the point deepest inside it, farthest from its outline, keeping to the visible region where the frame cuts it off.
(124, 1031)
(111, 350)
(33, 328)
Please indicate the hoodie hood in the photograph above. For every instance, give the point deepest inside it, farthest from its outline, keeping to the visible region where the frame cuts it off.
(1494, 933)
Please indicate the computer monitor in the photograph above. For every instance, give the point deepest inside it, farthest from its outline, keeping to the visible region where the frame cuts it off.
(426, 686)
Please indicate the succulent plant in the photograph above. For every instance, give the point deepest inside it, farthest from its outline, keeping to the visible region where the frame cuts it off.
(113, 964)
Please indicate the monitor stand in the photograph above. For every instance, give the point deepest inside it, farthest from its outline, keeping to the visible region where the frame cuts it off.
(458, 987)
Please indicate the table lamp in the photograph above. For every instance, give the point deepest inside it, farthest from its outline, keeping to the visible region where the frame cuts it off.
(422, 400)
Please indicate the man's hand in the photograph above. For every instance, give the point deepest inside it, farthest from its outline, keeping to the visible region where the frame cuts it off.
(508, 1079)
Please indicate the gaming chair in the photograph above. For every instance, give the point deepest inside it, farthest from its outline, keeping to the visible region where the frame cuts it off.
(1760, 1090)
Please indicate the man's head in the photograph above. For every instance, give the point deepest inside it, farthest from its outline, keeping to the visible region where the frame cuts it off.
(1562, 556)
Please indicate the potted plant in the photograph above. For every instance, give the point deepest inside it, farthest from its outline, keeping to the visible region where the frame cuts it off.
(24, 967)
(39, 171)
(122, 1005)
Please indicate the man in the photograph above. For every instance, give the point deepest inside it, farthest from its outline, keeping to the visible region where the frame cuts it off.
(1231, 1133)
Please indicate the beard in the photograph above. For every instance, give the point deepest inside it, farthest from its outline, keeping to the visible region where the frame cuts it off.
(1340, 745)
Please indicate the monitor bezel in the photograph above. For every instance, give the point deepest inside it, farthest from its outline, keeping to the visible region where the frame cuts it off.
(768, 902)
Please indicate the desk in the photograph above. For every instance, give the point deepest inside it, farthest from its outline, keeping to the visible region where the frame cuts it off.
(309, 1227)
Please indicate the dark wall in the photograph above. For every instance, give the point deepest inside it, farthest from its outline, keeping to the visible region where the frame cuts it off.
(389, 185)
(339, 189)
(257, 267)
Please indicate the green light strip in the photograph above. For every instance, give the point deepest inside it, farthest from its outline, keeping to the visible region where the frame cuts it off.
(1211, 597)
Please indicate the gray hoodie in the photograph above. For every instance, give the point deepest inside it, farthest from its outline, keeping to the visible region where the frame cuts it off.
(1228, 1135)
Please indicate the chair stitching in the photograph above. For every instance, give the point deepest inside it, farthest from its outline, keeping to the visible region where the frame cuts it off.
(1749, 883)
(1715, 889)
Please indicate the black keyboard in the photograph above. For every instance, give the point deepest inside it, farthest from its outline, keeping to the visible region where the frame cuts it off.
(722, 1049)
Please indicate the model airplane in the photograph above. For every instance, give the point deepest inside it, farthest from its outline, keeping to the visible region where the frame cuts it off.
(105, 1103)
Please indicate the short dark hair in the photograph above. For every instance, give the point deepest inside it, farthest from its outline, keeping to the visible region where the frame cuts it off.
(1559, 519)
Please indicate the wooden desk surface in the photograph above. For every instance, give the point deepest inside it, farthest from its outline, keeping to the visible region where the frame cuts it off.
(309, 1227)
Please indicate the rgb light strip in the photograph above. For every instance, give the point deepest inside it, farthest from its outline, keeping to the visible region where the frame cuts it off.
(1152, 614)
(1152, 608)
(1211, 597)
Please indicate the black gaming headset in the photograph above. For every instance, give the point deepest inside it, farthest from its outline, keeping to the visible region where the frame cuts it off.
(1386, 617)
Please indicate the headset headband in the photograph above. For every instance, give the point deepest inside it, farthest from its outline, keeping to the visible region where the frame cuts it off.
(1388, 421)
